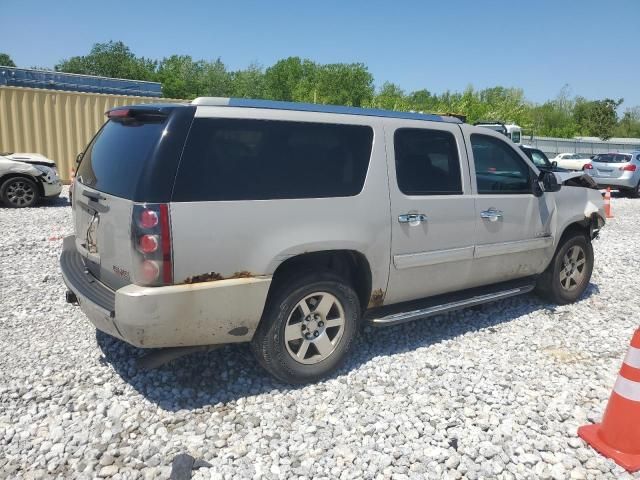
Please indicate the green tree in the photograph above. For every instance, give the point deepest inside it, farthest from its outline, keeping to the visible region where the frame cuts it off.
(6, 61)
(629, 125)
(597, 118)
(248, 83)
(290, 79)
(391, 97)
(343, 84)
(180, 76)
(110, 59)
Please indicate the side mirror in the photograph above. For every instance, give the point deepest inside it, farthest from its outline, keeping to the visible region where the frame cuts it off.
(79, 158)
(549, 182)
(554, 164)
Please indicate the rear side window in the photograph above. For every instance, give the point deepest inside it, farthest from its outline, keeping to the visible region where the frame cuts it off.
(499, 169)
(239, 159)
(612, 158)
(115, 159)
(427, 162)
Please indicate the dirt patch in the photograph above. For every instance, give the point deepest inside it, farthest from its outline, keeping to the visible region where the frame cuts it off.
(563, 355)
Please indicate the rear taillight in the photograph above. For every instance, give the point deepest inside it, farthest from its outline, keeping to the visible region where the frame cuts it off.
(148, 218)
(628, 168)
(149, 271)
(587, 166)
(151, 232)
(148, 243)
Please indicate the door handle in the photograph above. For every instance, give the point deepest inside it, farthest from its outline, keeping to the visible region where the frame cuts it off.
(492, 214)
(412, 218)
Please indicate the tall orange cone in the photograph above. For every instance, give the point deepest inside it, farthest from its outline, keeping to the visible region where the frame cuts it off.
(607, 203)
(618, 436)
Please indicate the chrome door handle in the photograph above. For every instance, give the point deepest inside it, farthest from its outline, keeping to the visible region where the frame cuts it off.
(492, 214)
(413, 218)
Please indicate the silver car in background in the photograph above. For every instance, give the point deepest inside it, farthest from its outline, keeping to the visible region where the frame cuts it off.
(619, 171)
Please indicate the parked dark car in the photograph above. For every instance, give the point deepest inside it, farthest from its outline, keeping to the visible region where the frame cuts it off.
(541, 160)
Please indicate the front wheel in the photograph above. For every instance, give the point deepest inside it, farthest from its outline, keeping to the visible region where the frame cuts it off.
(19, 192)
(568, 275)
(307, 328)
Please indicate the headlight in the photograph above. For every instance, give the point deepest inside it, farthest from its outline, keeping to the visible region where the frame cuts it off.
(49, 173)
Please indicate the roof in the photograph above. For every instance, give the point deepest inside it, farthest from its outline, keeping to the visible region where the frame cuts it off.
(314, 107)
(73, 82)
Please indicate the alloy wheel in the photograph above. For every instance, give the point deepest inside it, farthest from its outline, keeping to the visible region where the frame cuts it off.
(573, 268)
(20, 193)
(314, 328)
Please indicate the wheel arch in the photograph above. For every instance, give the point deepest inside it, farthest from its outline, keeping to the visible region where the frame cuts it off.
(589, 226)
(351, 265)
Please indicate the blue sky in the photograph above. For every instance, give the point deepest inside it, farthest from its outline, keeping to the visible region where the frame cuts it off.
(539, 46)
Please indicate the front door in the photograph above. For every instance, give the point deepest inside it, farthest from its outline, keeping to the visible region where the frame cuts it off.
(513, 217)
(432, 210)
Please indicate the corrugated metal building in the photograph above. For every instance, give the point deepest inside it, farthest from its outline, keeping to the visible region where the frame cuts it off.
(55, 123)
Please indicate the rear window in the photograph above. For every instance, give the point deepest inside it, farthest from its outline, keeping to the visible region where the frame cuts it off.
(114, 161)
(612, 158)
(239, 159)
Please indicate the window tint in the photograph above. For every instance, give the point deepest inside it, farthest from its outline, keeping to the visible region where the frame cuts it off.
(114, 161)
(499, 169)
(427, 162)
(229, 159)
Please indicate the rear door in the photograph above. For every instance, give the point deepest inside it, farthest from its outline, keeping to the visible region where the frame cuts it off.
(513, 221)
(133, 158)
(432, 211)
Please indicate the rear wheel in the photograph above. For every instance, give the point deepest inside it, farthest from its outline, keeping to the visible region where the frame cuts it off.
(307, 328)
(634, 192)
(19, 192)
(567, 277)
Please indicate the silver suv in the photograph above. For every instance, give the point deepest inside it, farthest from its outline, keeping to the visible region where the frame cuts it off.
(289, 225)
(616, 170)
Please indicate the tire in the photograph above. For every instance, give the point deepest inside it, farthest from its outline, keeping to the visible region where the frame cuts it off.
(302, 360)
(563, 282)
(19, 192)
(633, 192)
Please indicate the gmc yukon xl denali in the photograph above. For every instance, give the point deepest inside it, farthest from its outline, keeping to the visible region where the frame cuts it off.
(289, 225)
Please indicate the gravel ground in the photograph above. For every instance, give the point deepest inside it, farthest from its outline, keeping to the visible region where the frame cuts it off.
(492, 392)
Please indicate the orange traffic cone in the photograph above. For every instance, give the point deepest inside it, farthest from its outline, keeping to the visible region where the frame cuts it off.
(607, 203)
(618, 436)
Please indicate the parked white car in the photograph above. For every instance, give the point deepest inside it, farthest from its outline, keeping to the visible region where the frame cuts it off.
(571, 161)
(26, 178)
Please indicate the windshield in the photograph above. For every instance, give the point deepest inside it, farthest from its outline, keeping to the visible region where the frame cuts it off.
(612, 158)
(539, 159)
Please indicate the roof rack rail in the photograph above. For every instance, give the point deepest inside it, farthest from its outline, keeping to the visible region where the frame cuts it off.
(314, 107)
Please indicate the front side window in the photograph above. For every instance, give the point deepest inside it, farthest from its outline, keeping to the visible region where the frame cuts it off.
(499, 169)
(246, 159)
(539, 159)
(427, 162)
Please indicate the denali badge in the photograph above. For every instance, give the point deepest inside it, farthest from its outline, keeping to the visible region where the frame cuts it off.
(121, 272)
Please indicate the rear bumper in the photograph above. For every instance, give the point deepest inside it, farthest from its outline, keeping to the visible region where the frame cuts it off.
(623, 182)
(206, 313)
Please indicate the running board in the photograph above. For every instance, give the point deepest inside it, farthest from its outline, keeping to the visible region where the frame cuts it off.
(438, 309)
